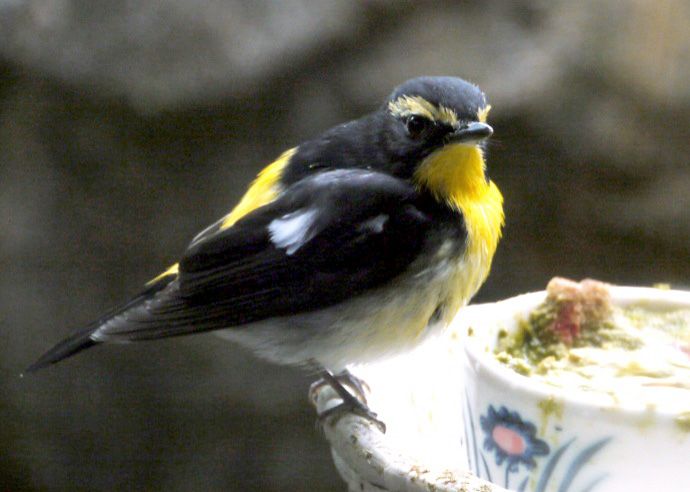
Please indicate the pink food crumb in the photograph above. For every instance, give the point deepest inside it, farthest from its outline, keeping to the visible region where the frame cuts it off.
(685, 349)
(577, 304)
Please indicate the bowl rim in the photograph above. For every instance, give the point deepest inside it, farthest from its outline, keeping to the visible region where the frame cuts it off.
(571, 398)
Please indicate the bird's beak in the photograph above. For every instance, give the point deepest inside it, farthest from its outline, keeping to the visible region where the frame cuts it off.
(471, 133)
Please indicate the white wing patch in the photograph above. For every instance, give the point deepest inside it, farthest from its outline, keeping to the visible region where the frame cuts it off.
(374, 225)
(292, 230)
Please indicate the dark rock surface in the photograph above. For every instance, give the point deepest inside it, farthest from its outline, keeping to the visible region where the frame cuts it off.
(125, 127)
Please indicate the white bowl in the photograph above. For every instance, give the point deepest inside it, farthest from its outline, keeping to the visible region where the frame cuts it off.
(526, 435)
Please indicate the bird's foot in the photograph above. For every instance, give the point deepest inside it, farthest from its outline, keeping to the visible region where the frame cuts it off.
(344, 378)
(351, 403)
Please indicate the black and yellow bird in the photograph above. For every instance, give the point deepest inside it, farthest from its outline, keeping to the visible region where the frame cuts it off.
(349, 247)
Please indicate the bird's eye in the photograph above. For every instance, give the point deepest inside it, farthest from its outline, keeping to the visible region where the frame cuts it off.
(417, 126)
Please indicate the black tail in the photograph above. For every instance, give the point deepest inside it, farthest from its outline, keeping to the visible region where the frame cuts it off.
(81, 340)
(68, 347)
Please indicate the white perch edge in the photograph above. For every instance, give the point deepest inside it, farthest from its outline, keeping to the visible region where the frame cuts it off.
(369, 463)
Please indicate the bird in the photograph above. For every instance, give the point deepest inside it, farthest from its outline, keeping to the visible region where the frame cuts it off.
(352, 246)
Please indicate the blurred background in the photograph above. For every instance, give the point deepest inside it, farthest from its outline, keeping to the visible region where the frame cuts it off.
(126, 127)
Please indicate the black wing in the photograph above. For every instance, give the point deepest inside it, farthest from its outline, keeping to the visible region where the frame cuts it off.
(328, 238)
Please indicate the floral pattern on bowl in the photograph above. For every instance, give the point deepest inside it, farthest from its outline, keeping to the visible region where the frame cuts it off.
(521, 457)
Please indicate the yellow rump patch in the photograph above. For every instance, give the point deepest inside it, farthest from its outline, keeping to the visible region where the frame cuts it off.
(262, 191)
(173, 270)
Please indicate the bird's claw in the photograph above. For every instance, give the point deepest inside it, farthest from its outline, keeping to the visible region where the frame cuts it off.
(351, 403)
(356, 407)
(344, 378)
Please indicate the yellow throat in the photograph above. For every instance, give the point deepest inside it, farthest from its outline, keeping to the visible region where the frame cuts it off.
(456, 175)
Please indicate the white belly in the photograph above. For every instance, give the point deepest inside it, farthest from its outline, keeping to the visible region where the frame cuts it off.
(374, 325)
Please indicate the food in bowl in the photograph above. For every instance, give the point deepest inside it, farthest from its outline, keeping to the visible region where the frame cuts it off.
(578, 339)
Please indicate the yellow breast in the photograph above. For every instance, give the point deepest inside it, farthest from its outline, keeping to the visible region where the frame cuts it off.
(456, 175)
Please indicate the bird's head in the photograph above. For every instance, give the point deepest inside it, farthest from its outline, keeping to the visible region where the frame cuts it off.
(435, 131)
(426, 115)
(430, 130)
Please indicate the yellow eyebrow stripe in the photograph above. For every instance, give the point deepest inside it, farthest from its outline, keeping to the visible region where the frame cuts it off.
(417, 105)
(483, 113)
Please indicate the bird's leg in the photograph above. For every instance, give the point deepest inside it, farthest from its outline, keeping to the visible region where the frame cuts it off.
(356, 403)
(359, 385)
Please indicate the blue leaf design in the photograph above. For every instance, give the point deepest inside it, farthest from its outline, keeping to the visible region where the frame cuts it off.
(580, 460)
(551, 465)
(472, 434)
(486, 467)
(469, 445)
(594, 483)
(523, 485)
